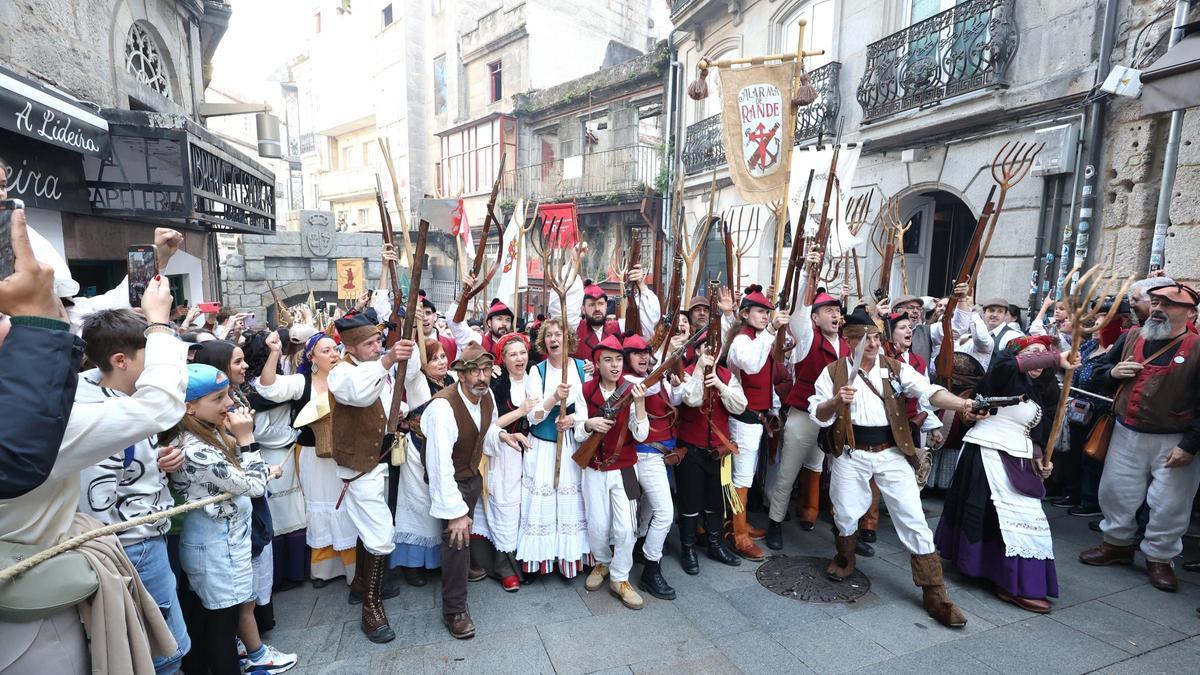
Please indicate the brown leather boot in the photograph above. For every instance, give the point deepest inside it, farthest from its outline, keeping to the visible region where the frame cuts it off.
(927, 573)
(842, 565)
(742, 545)
(808, 499)
(460, 625)
(374, 619)
(1162, 576)
(1107, 554)
(358, 586)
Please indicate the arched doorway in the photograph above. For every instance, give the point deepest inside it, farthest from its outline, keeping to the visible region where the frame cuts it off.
(940, 229)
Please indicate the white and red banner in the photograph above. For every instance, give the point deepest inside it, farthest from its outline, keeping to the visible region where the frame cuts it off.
(758, 125)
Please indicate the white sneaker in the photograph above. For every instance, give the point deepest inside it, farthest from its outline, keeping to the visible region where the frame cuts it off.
(273, 661)
(241, 647)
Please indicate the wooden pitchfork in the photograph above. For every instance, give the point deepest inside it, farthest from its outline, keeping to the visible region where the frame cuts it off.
(560, 268)
(1083, 297)
(691, 244)
(1012, 163)
(744, 228)
(857, 210)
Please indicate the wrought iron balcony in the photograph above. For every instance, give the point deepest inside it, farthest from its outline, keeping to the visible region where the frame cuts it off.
(963, 49)
(612, 174)
(704, 151)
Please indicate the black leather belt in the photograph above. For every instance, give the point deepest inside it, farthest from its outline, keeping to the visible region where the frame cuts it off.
(873, 439)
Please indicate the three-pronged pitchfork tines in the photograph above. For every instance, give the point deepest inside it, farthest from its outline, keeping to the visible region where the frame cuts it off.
(1084, 297)
(1012, 163)
(858, 209)
(560, 268)
(744, 228)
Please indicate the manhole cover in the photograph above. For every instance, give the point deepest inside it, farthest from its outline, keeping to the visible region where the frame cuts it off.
(803, 578)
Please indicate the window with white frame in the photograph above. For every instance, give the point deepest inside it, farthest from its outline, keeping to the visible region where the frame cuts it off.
(818, 33)
(712, 105)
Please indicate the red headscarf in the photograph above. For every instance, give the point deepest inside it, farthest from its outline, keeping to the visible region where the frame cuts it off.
(1025, 341)
(498, 348)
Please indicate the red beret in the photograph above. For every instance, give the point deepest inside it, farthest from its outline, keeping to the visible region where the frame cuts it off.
(754, 297)
(611, 344)
(1026, 341)
(593, 291)
(1177, 294)
(635, 343)
(498, 308)
(824, 300)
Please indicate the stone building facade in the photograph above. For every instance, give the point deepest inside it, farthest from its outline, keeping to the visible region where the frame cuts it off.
(133, 73)
(932, 90)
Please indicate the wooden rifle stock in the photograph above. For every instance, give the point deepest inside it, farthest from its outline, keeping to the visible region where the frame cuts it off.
(460, 312)
(631, 312)
(793, 266)
(666, 326)
(712, 345)
(389, 237)
(405, 328)
(945, 356)
(885, 269)
(283, 317)
(623, 396)
(822, 239)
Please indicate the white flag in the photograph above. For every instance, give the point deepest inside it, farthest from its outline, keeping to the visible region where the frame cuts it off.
(805, 160)
(514, 273)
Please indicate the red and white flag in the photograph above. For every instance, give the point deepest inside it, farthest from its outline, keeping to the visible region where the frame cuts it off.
(459, 226)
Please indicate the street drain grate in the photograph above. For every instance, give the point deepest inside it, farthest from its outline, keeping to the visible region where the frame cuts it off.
(803, 578)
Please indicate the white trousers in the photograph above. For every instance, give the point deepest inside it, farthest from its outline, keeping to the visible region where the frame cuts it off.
(799, 451)
(1135, 471)
(850, 492)
(609, 521)
(655, 510)
(747, 438)
(366, 504)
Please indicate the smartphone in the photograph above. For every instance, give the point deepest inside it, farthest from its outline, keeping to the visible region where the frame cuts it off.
(249, 320)
(143, 265)
(209, 307)
(7, 261)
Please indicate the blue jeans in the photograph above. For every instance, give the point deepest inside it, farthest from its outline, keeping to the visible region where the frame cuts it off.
(150, 559)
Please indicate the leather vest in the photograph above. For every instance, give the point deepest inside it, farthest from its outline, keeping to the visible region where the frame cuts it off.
(1161, 399)
(357, 432)
(757, 386)
(696, 425)
(894, 405)
(611, 456)
(820, 354)
(468, 448)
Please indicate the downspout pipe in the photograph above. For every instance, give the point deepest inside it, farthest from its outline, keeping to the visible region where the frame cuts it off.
(1035, 277)
(1162, 217)
(1097, 114)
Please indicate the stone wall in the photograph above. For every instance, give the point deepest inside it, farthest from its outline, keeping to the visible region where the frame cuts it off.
(79, 47)
(286, 262)
(1134, 153)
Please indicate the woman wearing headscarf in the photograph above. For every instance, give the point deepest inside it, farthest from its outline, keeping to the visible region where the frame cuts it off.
(992, 525)
(330, 533)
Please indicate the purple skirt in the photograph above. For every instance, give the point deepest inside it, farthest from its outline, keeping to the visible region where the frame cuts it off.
(968, 533)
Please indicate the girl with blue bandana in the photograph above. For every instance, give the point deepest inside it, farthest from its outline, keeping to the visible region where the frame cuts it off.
(220, 455)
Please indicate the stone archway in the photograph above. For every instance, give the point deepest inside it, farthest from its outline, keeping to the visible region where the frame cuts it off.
(940, 227)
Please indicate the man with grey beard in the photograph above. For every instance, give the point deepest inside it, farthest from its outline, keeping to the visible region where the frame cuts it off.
(1139, 295)
(1151, 456)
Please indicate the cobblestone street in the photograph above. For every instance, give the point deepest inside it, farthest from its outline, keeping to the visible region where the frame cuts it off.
(1108, 620)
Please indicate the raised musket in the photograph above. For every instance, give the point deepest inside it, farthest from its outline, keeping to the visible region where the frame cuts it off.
(623, 396)
(468, 292)
(822, 238)
(945, 357)
(792, 271)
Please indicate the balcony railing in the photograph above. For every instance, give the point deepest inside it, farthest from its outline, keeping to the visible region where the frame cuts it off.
(608, 174)
(960, 50)
(704, 151)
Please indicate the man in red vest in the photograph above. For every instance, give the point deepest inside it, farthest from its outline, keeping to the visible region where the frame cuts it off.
(587, 309)
(711, 394)
(1152, 454)
(656, 511)
(750, 359)
(818, 344)
(609, 481)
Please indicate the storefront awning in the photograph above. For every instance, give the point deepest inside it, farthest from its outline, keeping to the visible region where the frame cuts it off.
(167, 168)
(1173, 82)
(41, 113)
